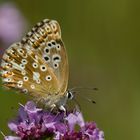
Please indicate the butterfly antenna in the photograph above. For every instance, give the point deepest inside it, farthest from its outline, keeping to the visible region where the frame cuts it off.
(87, 88)
(88, 99)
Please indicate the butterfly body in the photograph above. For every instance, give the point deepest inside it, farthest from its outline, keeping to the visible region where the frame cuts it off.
(38, 65)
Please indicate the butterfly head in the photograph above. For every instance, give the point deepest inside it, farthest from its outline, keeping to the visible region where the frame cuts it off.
(69, 95)
(63, 100)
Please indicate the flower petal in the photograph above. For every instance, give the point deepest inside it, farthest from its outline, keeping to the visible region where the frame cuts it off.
(30, 107)
(75, 118)
(37, 123)
(12, 126)
(12, 138)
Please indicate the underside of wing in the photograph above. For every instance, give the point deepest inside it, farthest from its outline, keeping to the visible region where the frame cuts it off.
(26, 71)
(46, 39)
(38, 64)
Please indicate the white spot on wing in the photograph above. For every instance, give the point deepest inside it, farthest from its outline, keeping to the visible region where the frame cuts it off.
(47, 28)
(55, 65)
(20, 84)
(43, 68)
(35, 65)
(32, 87)
(23, 72)
(36, 76)
(48, 78)
(25, 78)
(7, 80)
(38, 81)
(24, 61)
(58, 47)
(25, 90)
(16, 66)
(46, 50)
(22, 66)
(53, 26)
(20, 51)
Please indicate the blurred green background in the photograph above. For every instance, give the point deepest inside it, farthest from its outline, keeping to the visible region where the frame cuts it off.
(102, 42)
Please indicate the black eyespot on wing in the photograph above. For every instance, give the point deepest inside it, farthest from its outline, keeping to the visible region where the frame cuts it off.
(46, 58)
(43, 68)
(55, 65)
(53, 43)
(49, 77)
(56, 58)
(47, 50)
(49, 44)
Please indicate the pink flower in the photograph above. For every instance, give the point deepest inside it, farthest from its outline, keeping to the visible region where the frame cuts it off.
(38, 124)
(12, 24)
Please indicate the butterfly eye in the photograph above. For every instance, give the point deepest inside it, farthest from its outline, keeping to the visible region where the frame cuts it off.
(69, 95)
(48, 78)
(35, 65)
(43, 68)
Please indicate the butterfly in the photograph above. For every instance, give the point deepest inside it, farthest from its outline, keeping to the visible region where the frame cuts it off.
(38, 65)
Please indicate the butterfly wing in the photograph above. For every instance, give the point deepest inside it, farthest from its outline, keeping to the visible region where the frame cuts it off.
(38, 64)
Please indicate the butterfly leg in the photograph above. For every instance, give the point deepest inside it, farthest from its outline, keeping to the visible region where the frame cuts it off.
(62, 108)
(52, 107)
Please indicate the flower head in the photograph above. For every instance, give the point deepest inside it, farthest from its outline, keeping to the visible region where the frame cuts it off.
(38, 124)
(12, 24)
